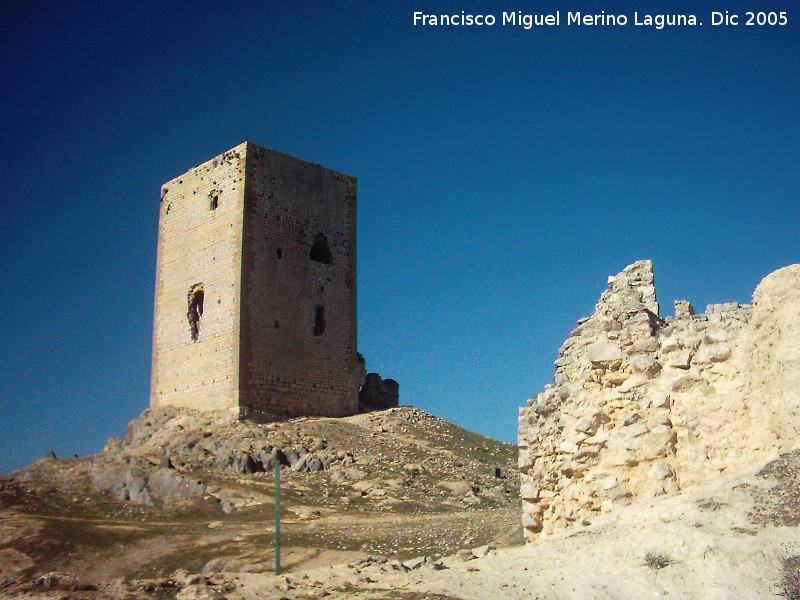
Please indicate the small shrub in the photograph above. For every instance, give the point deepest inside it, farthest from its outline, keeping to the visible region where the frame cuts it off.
(657, 561)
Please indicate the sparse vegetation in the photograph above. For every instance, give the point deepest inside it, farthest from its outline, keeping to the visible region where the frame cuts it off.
(711, 505)
(790, 577)
(778, 505)
(657, 561)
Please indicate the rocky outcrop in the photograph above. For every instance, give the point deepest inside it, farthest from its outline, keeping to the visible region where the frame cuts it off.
(171, 456)
(144, 484)
(217, 441)
(164, 448)
(775, 353)
(643, 406)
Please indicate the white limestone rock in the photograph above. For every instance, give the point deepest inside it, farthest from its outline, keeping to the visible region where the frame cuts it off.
(603, 352)
(660, 404)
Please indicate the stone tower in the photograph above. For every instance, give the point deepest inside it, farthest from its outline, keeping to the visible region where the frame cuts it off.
(255, 304)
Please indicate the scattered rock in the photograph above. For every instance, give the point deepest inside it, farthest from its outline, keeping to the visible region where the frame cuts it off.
(482, 551)
(465, 555)
(199, 591)
(414, 563)
(457, 488)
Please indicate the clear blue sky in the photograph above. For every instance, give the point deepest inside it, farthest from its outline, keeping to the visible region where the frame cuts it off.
(503, 174)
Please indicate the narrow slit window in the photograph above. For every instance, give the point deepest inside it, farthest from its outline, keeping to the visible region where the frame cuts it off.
(195, 309)
(320, 250)
(319, 320)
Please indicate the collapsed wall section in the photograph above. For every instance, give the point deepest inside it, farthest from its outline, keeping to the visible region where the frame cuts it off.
(642, 406)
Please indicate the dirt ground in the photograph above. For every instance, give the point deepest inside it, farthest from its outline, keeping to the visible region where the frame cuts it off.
(736, 537)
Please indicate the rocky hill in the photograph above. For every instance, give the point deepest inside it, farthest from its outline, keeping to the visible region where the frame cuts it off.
(192, 491)
(735, 537)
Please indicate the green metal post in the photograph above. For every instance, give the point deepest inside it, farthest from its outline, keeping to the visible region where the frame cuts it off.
(277, 518)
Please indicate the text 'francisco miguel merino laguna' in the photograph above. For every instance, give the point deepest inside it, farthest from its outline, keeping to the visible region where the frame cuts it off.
(529, 21)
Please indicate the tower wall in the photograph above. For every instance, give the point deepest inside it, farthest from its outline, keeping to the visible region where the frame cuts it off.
(199, 245)
(298, 287)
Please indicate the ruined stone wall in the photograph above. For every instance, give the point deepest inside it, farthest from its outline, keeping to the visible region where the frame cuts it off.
(256, 288)
(378, 393)
(643, 406)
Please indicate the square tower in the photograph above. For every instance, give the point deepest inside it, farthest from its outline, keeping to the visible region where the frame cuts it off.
(255, 303)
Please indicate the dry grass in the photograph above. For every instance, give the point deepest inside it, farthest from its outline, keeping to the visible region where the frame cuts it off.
(657, 561)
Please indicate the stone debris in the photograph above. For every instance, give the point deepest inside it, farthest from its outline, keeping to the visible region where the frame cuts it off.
(482, 551)
(415, 563)
(199, 591)
(466, 555)
(457, 488)
(643, 405)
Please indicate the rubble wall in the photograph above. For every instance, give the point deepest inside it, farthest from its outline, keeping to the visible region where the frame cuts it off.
(643, 405)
